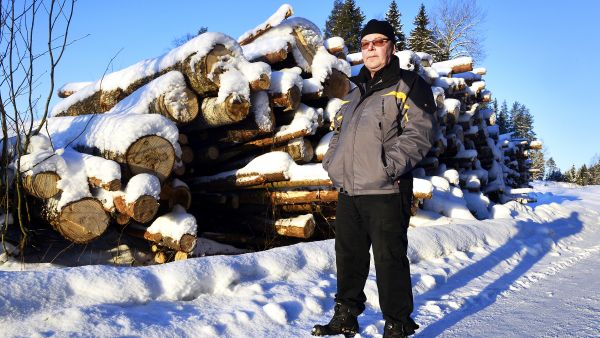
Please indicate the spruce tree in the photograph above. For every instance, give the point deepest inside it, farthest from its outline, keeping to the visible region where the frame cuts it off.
(521, 121)
(595, 173)
(393, 17)
(346, 21)
(551, 169)
(538, 163)
(421, 37)
(571, 175)
(333, 18)
(502, 119)
(582, 175)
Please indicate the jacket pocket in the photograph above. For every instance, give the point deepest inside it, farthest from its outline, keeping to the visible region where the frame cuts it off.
(335, 168)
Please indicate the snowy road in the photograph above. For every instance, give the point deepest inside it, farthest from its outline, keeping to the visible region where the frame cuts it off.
(567, 305)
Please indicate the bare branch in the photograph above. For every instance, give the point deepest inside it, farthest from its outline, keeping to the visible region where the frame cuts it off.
(456, 29)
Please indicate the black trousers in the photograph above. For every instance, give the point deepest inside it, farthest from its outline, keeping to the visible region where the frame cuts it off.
(381, 221)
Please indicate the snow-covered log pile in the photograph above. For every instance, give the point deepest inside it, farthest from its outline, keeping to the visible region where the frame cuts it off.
(233, 132)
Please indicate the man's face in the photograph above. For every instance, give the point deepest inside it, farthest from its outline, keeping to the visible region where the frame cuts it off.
(377, 51)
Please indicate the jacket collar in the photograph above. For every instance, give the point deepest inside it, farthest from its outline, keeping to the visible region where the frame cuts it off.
(385, 77)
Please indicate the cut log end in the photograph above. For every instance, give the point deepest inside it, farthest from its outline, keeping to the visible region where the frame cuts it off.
(113, 185)
(42, 185)
(82, 221)
(181, 106)
(151, 154)
(262, 83)
(337, 86)
(142, 210)
(289, 100)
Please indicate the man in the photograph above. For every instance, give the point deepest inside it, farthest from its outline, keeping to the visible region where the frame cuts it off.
(382, 131)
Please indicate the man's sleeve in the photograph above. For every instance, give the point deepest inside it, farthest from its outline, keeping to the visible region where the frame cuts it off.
(419, 127)
(337, 124)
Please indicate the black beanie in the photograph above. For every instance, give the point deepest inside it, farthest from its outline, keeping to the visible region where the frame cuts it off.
(381, 27)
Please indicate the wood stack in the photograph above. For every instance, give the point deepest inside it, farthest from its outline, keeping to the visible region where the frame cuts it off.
(234, 132)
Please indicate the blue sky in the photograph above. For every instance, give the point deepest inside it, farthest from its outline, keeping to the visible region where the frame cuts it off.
(540, 53)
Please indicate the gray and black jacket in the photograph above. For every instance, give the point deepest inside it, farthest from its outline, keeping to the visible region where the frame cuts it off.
(368, 154)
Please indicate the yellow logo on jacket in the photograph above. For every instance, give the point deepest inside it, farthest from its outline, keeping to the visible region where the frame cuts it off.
(398, 95)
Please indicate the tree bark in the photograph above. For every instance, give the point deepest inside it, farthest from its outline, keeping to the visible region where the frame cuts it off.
(299, 227)
(287, 197)
(186, 243)
(201, 76)
(213, 114)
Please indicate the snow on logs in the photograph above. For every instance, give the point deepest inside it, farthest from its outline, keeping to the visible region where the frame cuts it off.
(244, 125)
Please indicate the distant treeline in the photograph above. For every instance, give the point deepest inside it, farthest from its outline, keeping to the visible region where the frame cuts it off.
(583, 176)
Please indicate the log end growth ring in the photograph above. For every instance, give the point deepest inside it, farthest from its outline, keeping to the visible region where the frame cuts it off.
(82, 221)
(151, 154)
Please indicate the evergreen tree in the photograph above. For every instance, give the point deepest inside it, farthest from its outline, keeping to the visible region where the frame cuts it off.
(551, 169)
(538, 163)
(582, 175)
(502, 119)
(594, 171)
(595, 174)
(333, 18)
(393, 17)
(421, 37)
(571, 175)
(346, 21)
(521, 121)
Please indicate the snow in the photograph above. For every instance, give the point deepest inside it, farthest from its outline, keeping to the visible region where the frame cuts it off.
(174, 224)
(531, 272)
(197, 47)
(312, 86)
(323, 144)
(261, 109)
(284, 80)
(142, 184)
(305, 118)
(264, 46)
(74, 181)
(333, 106)
(452, 63)
(335, 42)
(272, 21)
(110, 132)
(422, 187)
(324, 63)
(272, 162)
(233, 82)
(409, 60)
(283, 33)
(101, 168)
(354, 58)
(468, 76)
(172, 85)
(73, 86)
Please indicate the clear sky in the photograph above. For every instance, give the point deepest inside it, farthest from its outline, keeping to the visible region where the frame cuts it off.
(540, 53)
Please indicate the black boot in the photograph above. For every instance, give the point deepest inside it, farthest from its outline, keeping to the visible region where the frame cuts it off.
(343, 322)
(394, 329)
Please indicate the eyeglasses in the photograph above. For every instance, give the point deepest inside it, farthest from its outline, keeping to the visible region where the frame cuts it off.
(380, 42)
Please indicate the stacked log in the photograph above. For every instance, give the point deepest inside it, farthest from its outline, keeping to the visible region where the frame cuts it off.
(235, 131)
